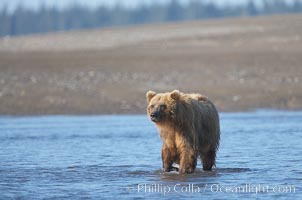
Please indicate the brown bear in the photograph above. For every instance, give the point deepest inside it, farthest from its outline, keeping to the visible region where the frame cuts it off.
(188, 126)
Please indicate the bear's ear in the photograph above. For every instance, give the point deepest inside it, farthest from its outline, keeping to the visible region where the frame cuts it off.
(150, 94)
(175, 94)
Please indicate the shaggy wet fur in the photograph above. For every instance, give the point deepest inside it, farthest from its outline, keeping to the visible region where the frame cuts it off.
(188, 126)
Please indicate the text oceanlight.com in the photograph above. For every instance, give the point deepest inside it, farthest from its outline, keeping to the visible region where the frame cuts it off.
(213, 188)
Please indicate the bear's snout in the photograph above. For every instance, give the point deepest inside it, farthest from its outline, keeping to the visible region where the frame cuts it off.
(155, 116)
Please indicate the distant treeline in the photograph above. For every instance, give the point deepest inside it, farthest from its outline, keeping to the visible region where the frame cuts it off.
(45, 19)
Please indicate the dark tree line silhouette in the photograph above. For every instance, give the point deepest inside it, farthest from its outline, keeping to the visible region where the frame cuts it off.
(45, 19)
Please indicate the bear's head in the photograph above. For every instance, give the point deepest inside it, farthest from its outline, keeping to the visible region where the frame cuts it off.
(161, 106)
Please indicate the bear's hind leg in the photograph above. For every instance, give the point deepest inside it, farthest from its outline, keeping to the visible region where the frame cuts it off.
(208, 160)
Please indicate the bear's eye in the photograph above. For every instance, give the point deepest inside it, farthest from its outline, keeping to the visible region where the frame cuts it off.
(163, 107)
(152, 106)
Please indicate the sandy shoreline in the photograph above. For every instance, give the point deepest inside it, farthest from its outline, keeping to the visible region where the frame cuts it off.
(240, 64)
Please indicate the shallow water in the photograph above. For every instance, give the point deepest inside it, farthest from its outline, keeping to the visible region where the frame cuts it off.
(102, 157)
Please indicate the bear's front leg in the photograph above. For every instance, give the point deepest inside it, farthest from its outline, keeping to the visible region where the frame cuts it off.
(167, 158)
(188, 162)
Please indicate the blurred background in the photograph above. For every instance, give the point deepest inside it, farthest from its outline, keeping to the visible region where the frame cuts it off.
(100, 57)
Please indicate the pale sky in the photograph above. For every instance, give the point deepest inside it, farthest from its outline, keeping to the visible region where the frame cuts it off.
(94, 3)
